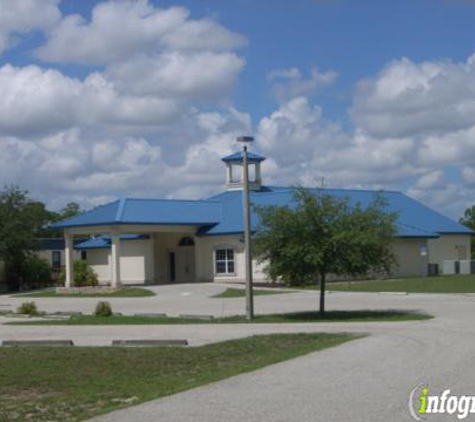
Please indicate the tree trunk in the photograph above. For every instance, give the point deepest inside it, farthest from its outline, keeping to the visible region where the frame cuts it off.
(322, 294)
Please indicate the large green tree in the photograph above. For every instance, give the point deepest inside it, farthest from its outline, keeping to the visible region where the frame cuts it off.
(468, 220)
(21, 223)
(70, 210)
(321, 234)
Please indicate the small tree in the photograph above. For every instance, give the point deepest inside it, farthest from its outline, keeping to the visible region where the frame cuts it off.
(21, 221)
(36, 272)
(321, 234)
(468, 220)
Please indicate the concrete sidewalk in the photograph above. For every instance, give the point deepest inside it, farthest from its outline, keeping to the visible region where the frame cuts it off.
(196, 334)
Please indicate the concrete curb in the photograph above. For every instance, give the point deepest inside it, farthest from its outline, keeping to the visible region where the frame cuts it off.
(191, 316)
(49, 343)
(156, 343)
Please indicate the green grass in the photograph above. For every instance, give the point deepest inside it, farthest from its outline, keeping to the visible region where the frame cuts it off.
(126, 292)
(56, 384)
(440, 284)
(308, 317)
(232, 292)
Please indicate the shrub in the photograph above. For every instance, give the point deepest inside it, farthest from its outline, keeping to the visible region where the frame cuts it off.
(61, 281)
(103, 309)
(36, 272)
(84, 275)
(28, 308)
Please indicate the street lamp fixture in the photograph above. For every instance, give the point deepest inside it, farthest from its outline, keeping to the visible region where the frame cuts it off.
(247, 227)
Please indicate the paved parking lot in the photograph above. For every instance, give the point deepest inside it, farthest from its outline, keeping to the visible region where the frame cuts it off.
(365, 380)
(362, 381)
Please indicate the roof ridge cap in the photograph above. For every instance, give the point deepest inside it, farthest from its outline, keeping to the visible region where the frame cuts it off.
(289, 188)
(401, 223)
(120, 209)
(173, 200)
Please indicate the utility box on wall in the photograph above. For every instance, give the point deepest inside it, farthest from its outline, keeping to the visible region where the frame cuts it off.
(449, 267)
(465, 266)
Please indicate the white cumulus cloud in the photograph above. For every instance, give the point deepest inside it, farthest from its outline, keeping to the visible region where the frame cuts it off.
(21, 16)
(201, 75)
(408, 98)
(290, 83)
(120, 29)
(156, 116)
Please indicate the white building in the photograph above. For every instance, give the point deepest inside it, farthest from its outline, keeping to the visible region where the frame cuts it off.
(151, 241)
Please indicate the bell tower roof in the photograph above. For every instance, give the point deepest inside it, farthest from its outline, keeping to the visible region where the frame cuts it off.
(237, 157)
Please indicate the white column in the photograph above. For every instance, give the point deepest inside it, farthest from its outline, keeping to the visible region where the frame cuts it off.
(68, 260)
(115, 259)
(258, 173)
(197, 275)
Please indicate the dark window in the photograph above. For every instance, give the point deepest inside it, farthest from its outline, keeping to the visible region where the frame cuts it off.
(83, 255)
(56, 259)
(224, 261)
(186, 241)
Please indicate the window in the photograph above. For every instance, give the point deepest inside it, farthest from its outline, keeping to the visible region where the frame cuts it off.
(186, 241)
(461, 251)
(224, 261)
(56, 259)
(84, 255)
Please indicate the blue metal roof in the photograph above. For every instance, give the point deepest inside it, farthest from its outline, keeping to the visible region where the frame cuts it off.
(222, 214)
(415, 219)
(104, 242)
(148, 211)
(237, 157)
(53, 244)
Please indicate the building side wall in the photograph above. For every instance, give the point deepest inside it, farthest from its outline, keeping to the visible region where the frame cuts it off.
(449, 247)
(207, 246)
(147, 261)
(47, 255)
(99, 260)
(407, 252)
(136, 262)
(410, 263)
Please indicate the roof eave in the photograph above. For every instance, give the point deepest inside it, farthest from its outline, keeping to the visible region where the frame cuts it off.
(464, 233)
(417, 236)
(136, 223)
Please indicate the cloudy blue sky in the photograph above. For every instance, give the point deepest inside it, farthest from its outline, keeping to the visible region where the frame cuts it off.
(100, 99)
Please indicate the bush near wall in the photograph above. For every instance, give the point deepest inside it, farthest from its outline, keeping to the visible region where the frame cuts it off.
(36, 273)
(84, 275)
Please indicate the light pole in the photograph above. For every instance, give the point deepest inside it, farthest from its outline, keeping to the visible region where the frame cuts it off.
(247, 228)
